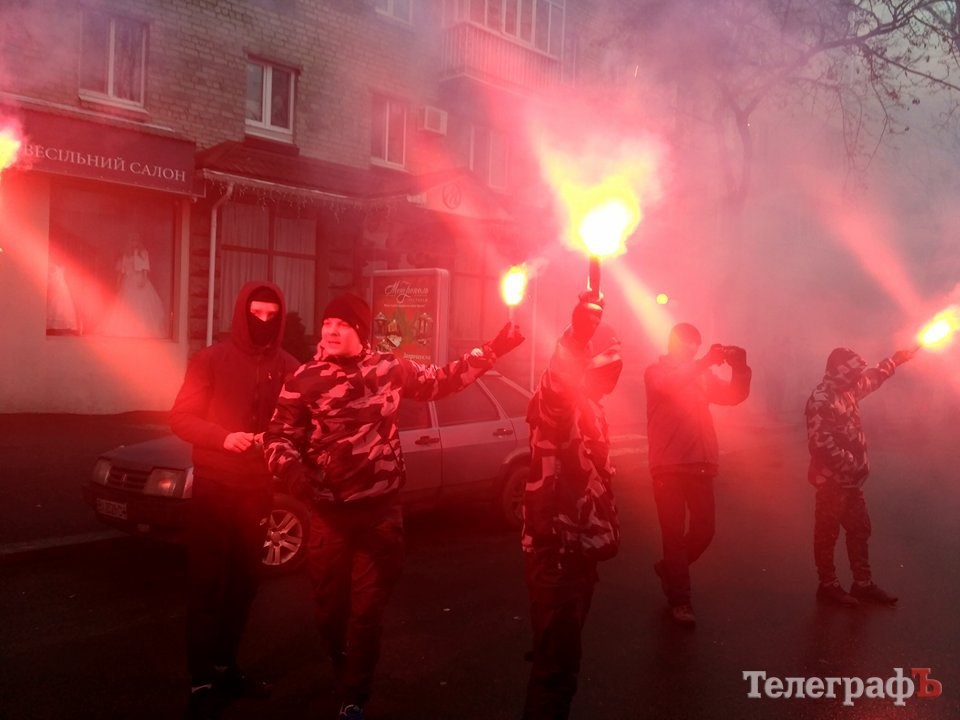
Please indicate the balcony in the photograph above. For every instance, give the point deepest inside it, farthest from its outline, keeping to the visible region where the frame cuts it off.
(472, 51)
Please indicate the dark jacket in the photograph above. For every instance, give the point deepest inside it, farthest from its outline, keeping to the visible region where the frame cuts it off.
(679, 424)
(568, 504)
(838, 447)
(232, 386)
(334, 436)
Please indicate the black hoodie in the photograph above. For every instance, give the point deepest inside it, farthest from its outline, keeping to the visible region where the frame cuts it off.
(232, 386)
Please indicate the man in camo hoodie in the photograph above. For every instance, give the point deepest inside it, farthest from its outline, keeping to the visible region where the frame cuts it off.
(838, 470)
(334, 440)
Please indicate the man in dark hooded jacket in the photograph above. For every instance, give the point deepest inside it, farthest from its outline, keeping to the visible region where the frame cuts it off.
(226, 401)
(839, 468)
(570, 520)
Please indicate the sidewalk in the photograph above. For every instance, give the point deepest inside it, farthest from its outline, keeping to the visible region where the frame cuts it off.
(44, 461)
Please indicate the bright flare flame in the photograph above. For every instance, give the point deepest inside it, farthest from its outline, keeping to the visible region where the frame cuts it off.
(9, 147)
(604, 228)
(513, 285)
(939, 331)
(662, 299)
(601, 187)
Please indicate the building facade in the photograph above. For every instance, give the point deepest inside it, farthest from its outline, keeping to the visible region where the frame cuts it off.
(173, 150)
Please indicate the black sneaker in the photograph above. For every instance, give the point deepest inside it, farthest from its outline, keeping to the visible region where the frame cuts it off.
(683, 615)
(351, 712)
(835, 595)
(872, 593)
(234, 683)
(203, 703)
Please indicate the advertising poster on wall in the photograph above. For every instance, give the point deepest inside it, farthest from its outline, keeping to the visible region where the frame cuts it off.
(410, 313)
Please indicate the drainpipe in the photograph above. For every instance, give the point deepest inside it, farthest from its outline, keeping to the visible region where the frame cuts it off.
(213, 259)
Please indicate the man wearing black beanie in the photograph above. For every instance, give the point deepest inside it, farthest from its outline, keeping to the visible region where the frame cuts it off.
(334, 439)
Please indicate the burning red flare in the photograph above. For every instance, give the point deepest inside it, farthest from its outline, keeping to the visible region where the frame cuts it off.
(513, 285)
(939, 331)
(10, 144)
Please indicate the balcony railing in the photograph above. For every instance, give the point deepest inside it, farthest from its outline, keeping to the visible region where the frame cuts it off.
(474, 51)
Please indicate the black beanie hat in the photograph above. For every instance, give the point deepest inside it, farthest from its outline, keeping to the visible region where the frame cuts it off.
(354, 311)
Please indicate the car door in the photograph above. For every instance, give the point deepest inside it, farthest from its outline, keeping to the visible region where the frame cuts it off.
(420, 440)
(475, 434)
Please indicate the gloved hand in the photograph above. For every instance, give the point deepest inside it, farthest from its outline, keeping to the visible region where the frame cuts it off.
(715, 355)
(586, 316)
(506, 340)
(901, 356)
(736, 357)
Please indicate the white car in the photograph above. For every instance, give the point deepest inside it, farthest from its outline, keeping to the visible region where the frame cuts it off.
(472, 445)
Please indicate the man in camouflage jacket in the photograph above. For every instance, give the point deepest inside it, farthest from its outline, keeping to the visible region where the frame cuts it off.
(334, 440)
(570, 518)
(839, 468)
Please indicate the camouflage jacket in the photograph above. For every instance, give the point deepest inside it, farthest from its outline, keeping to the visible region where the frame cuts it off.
(568, 503)
(333, 436)
(838, 447)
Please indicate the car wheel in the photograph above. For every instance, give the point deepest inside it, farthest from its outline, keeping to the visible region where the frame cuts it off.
(285, 547)
(510, 501)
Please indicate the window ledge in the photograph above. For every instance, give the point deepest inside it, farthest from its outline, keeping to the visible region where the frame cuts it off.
(103, 103)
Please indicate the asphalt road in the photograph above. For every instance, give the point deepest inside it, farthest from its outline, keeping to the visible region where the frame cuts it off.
(96, 630)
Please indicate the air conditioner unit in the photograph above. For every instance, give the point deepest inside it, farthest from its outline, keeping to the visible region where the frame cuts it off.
(433, 120)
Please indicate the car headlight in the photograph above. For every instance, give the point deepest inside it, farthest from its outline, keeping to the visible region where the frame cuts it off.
(101, 471)
(163, 482)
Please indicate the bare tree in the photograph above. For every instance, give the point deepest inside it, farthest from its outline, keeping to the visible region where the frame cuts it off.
(866, 60)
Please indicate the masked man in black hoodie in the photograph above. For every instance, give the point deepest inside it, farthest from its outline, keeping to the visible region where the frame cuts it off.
(225, 403)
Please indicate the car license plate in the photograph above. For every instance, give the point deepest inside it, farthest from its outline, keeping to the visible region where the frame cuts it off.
(112, 509)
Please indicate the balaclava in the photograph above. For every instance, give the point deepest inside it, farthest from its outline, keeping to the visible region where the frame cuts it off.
(263, 334)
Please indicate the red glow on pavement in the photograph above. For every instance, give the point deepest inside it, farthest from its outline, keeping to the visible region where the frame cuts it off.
(938, 333)
(513, 285)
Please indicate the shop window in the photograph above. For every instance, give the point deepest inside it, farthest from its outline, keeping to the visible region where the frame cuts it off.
(388, 132)
(113, 59)
(110, 263)
(398, 9)
(258, 243)
(270, 101)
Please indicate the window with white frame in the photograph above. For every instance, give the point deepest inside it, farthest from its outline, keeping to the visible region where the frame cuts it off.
(260, 242)
(488, 156)
(113, 59)
(388, 131)
(270, 100)
(397, 9)
(536, 23)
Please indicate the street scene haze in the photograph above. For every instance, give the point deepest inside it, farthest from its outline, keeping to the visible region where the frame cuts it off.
(480, 359)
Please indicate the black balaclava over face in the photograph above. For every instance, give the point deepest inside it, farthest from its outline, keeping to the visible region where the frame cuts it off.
(263, 334)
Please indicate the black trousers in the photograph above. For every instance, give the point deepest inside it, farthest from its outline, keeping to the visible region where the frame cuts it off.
(355, 558)
(676, 496)
(561, 590)
(838, 507)
(225, 543)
